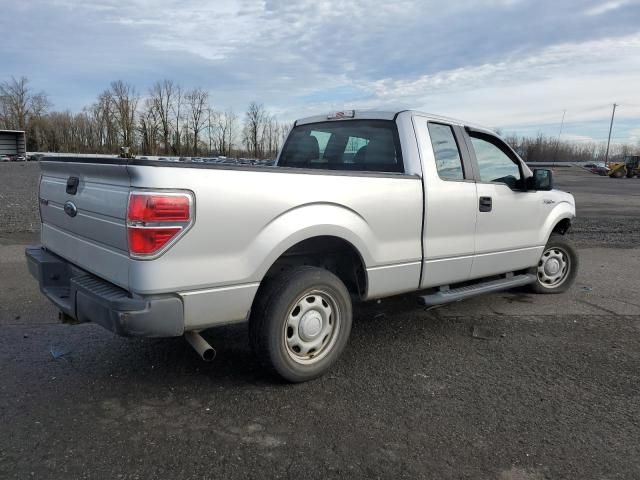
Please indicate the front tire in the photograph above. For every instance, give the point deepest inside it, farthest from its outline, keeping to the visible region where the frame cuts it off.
(300, 323)
(558, 266)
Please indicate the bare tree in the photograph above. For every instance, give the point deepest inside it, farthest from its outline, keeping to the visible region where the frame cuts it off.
(197, 101)
(149, 126)
(15, 98)
(163, 96)
(269, 130)
(217, 131)
(23, 109)
(274, 134)
(231, 127)
(176, 108)
(36, 121)
(105, 118)
(125, 101)
(224, 131)
(253, 128)
(210, 128)
(285, 128)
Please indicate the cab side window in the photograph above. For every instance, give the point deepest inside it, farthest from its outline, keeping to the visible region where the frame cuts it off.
(494, 164)
(445, 150)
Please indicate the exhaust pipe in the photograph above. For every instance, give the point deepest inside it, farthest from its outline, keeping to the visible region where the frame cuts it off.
(200, 345)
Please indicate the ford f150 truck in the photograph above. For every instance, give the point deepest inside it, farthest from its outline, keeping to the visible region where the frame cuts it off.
(359, 206)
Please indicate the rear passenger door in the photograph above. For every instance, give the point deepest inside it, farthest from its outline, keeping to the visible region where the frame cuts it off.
(450, 203)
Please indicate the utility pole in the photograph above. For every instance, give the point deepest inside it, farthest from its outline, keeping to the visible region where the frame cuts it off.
(555, 154)
(606, 155)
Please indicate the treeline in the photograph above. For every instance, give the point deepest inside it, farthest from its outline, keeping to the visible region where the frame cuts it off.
(167, 120)
(546, 149)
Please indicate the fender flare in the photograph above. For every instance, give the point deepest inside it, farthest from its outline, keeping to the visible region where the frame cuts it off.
(562, 211)
(305, 222)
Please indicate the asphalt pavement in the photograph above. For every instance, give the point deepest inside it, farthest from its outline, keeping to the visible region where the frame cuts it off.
(511, 386)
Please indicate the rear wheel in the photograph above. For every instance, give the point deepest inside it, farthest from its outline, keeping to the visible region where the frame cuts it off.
(558, 266)
(300, 323)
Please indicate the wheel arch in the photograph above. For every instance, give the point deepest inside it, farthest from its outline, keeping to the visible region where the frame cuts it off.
(331, 252)
(310, 233)
(562, 226)
(558, 221)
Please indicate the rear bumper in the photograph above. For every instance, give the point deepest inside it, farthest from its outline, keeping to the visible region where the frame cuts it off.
(87, 298)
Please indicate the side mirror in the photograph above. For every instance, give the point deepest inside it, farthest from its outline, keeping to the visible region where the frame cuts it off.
(542, 179)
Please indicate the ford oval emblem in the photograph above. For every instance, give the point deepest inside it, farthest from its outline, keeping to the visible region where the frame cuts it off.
(70, 209)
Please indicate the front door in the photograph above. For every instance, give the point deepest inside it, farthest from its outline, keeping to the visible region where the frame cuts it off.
(509, 217)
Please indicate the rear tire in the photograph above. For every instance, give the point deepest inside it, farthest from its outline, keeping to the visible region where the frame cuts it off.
(558, 266)
(300, 323)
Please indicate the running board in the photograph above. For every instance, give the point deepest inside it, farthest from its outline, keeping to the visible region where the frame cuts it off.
(446, 295)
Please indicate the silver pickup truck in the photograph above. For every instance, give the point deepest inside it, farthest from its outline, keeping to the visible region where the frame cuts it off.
(359, 206)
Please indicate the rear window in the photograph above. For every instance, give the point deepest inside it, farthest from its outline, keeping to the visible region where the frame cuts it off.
(361, 145)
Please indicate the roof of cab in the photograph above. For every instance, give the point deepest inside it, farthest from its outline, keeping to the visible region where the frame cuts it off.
(391, 115)
(385, 115)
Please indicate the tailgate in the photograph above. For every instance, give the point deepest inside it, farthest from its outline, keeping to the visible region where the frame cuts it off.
(85, 224)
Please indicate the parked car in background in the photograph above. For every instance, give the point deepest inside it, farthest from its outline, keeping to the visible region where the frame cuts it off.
(359, 206)
(5, 158)
(599, 169)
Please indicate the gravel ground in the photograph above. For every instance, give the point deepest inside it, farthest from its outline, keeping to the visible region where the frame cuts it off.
(19, 197)
(608, 210)
(510, 386)
(622, 232)
(415, 396)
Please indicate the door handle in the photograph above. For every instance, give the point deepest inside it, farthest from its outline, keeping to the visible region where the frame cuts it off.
(485, 204)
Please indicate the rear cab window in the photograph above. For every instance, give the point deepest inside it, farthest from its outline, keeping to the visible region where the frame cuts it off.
(358, 145)
(446, 152)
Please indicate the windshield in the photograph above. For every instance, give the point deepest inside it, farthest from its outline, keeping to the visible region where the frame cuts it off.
(361, 145)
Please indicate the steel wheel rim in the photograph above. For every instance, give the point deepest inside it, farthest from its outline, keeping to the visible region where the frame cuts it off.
(553, 267)
(311, 327)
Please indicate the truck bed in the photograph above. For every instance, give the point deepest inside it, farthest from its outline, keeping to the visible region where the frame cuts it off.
(245, 218)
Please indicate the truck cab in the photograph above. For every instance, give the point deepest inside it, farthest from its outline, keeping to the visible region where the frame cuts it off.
(482, 215)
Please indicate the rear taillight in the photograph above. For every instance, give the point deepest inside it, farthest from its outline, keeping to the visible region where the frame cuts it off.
(155, 220)
(158, 208)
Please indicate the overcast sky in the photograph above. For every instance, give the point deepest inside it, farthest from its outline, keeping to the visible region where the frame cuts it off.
(509, 64)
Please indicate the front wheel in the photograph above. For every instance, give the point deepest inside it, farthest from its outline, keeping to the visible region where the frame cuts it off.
(558, 266)
(300, 323)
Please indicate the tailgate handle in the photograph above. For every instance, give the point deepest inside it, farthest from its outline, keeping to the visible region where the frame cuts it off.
(72, 185)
